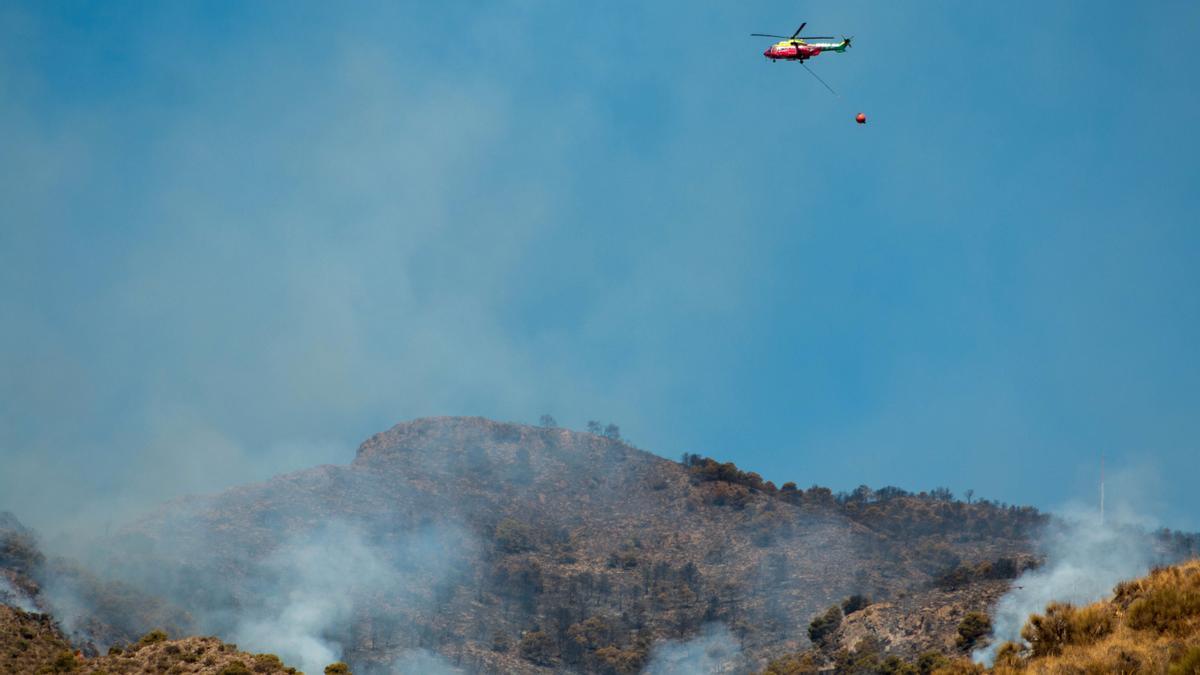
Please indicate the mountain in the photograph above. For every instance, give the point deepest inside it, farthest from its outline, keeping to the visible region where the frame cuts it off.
(525, 549)
(495, 547)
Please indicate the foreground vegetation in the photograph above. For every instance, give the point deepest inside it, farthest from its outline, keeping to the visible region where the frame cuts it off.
(1151, 625)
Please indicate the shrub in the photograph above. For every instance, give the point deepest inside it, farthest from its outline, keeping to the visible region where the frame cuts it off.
(612, 659)
(1163, 609)
(1004, 568)
(956, 577)
(235, 668)
(591, 634)
(825, 624)
(1048, 634)
(1091, 623)
(974, 626)
(537, 647)
(64, 662)
(803, 663)
(513, 536)
(153, 637)
(1188, 664)
(1008, 656)
(866, 657)
(960, 667)
(267, 663)
(854, 603)
(338, 668)
(893, 665)
(930, 661)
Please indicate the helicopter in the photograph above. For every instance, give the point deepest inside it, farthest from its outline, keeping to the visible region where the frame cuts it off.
(797, 47)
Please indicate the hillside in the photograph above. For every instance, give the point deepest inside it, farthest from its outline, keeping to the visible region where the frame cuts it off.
(525, 549)
(499, 547)
(1150, 625)
(32, 643)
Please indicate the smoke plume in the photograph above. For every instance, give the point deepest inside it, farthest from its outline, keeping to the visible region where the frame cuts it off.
(715, 650)
(13, 597)
(1084, 559)
(311, 586)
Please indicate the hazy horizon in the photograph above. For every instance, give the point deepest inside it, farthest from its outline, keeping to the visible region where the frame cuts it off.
(237, 240)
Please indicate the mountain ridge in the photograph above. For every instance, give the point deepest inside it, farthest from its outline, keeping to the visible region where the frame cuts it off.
(502, 547)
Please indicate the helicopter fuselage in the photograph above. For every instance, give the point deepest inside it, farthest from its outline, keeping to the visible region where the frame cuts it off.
(798, 50)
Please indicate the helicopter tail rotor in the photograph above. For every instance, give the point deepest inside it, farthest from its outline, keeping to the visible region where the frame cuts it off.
(847, 40)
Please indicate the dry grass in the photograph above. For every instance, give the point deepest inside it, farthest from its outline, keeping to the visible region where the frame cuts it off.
(1152, 625)
(28, 641)
(195, 656)
(32, 644)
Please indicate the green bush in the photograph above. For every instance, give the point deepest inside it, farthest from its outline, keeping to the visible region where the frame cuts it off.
(894, 665)
(1188, 664)
(64, 662)
(930, 661)
(235, 668)
(338, 668)
(513, 536)
(153, 637)
(267, 663)
(825, 624)
(974, 626)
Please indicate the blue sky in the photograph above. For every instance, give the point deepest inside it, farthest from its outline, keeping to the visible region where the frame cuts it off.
(238, 238)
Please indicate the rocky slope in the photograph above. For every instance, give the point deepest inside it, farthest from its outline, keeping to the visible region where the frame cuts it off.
(33, 643)
(495, 547)
(525, 549)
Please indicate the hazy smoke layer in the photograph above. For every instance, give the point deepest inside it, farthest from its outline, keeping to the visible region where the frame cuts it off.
(1085, 559)
(715, 650)
(423, 662)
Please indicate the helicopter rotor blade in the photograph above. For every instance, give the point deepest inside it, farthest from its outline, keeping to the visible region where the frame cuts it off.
(799, 29)
(816, 37)
(782, 37)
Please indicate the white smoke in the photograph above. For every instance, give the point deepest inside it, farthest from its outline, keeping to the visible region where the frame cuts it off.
(313, 583)
(715, 650)
(13, 597)
(1084, 559)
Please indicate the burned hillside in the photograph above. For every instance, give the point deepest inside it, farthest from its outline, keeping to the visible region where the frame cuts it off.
(503, 547)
